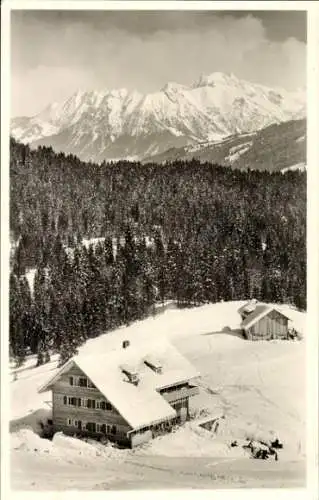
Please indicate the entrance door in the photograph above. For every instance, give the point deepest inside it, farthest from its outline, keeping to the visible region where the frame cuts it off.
(183, 414)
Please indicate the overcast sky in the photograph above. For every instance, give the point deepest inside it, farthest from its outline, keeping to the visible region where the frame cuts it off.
(54, 53)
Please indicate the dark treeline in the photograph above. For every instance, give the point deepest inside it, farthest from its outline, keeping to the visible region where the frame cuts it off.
(191, 232)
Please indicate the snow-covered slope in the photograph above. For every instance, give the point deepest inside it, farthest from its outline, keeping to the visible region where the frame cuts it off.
(115, 124)
(277, 147)
(297, 166)
(258, 386)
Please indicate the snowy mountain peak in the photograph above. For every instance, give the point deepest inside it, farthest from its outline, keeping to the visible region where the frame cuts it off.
(173, 87)
(113, 124)
(216, 78)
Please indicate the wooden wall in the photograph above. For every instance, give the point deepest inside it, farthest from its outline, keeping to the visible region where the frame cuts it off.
(61, 412)
(272, 326)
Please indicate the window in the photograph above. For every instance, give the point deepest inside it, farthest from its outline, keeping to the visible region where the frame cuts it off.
(83, 382)
(91, 427)
(72, 401)
(103, 429)
(65, 400)
(69, 421)
(79, 401)
(91, 403)
(113, 429)
(104, 405)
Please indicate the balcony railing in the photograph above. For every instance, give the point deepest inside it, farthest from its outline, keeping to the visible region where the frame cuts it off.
(183, 392)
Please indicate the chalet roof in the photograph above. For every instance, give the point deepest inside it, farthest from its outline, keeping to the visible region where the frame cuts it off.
(260, 311)
(140, 404)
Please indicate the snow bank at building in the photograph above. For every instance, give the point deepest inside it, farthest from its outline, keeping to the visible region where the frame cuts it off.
(191, 441)
(63, 448)
(29, 441)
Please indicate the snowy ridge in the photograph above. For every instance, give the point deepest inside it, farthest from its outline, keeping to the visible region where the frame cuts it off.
(298, 166)
(127, 124)
(273, 148)
(236, 151)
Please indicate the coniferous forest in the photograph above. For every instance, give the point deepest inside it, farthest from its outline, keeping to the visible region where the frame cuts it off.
(188, 231)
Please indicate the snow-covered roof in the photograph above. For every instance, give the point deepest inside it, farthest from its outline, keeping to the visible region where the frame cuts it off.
(259, 312)
(140, 404)
(249, 307)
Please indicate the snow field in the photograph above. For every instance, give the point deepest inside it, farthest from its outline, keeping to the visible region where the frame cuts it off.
(258, 386)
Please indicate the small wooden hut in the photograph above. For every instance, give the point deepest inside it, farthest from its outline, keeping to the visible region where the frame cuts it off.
(263, 322)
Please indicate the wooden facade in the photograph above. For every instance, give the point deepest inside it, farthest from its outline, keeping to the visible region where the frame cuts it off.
(74, 412)
(273, 325)
(79, 408)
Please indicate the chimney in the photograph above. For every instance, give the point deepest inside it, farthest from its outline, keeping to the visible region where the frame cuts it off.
(125, 344)
(253, 303)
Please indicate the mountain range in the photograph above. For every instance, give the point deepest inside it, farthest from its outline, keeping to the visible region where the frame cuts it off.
(115, 124)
